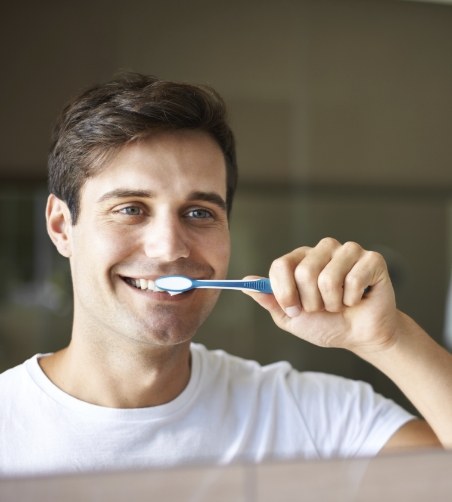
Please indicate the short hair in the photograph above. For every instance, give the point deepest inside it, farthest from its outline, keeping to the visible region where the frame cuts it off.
(101, 120)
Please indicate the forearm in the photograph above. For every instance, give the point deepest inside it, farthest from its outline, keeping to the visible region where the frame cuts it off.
(423, 371)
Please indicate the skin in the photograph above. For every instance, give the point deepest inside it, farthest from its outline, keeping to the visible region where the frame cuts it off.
(157, 208)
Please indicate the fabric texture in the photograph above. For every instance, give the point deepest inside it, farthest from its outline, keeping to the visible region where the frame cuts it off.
(232, 410)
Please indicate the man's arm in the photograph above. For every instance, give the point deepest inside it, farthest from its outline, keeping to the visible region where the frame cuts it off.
(336, 295)
(414, 434)
(423, 371)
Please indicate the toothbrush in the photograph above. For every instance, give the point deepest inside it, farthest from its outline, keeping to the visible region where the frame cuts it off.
(175, 284)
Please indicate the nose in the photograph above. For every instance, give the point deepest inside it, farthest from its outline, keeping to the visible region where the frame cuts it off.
(166, 239)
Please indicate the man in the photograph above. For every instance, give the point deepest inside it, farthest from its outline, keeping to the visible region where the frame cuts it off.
(142, 174)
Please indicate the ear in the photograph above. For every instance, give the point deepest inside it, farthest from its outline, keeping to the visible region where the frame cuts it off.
(59, 224)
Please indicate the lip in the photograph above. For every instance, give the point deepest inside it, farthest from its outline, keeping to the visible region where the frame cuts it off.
(153, 277)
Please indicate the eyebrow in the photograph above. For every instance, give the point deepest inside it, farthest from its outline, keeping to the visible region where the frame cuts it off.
(212, 197)
(118, 193)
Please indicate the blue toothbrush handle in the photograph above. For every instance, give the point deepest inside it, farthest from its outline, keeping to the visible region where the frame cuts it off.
(262, 285)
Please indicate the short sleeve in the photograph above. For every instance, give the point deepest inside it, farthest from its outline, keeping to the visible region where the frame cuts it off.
(345, 418)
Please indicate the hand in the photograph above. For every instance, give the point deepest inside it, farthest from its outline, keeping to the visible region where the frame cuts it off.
(333, 295)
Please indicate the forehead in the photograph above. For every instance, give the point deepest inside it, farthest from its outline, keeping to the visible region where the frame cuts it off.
(169, 162)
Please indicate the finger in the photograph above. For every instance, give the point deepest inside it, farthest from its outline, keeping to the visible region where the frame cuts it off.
(368, 271)
(267, 301)
(284, 284)
(333, 277)
(309, 271)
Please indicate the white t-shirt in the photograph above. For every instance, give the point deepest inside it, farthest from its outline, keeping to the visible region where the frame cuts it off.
(232, 410)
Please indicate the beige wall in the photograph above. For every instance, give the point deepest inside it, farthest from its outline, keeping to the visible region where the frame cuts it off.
(330, 90)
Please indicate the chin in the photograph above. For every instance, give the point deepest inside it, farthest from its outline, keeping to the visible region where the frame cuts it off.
(165, 332)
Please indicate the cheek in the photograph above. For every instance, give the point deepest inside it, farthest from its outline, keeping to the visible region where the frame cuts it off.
(220, 251)
(226, 253)
(96, 247)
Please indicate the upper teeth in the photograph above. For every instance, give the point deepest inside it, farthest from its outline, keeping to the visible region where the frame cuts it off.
(145, 284)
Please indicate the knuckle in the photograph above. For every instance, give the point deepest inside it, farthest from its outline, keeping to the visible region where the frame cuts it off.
(352, 247)
(376, 261)
(376, 257)
(327, 282)
(329, 242)
(305, 273)
(353, 281)
(278, 264)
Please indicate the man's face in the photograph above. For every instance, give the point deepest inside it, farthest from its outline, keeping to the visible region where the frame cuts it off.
(156, 208)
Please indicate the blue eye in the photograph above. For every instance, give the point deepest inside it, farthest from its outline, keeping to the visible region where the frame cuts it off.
(199, 213)
(130, 211)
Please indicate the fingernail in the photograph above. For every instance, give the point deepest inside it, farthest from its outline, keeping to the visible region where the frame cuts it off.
(292, 311)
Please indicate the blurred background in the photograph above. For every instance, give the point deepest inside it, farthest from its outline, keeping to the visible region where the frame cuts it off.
(343, 116)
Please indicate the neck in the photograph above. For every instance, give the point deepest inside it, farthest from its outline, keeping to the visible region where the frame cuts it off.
(129, 377)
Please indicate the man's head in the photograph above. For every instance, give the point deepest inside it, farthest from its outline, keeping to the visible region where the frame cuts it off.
(142, 174)
(102, 120)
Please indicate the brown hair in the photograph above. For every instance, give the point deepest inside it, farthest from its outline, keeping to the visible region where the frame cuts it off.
(101, 120)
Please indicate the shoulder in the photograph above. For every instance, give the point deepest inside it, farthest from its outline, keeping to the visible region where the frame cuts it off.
(239, 377)
(221, 362)
(303, 382)
(331, 388)
(16, 377)
(11, 374)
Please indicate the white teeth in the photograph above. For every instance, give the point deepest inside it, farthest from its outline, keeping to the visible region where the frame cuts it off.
(145, 284)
